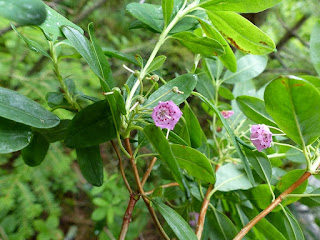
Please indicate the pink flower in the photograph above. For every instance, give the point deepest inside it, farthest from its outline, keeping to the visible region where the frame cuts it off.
(194, 216)
(261, 137)
(227, 114)
(166, 114)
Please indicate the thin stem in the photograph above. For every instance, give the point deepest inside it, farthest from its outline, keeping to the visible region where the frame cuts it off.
(162, 186)
(149, 169)
(121, 167)
(275, 203)
(146, 155)
(303, 195)
(287, 145)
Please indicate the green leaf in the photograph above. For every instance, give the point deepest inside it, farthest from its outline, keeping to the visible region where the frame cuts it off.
(186, 83)
(243, 158)
(315, 46)
(90, 164)
(205, 86)
(241, 33)
(260, 195)
(13, 136)
(294, 104)
(312, 201)
(51, 26)
(34, 154)
(161, 145)
(167, 7)
(230, 177)
(228, 59)
(201, 45)
(255, 110)
(34, 46)
(225, 93)
(293, 229)
(120, 101)
(221, 227)
(56, 133)
(31, 12)
(196, 164)
(260, 163)
(313, 80)
(156, 64)
(19, 108)
(249, 66)
(92, 126)
(103, 64)
(242, 6)
(287, 180)
(119, 55)
(56, 99)
(178, 225)
(193, 125)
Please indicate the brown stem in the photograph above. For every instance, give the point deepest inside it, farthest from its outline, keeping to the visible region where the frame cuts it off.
(163, 186)
(275, 203)
(141, 191)
(121, 167)
(127, 216)
(149, 169)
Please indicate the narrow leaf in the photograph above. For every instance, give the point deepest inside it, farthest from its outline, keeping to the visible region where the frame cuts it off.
(156, 63)
(167, 7)
(193, 125)
(315, 46)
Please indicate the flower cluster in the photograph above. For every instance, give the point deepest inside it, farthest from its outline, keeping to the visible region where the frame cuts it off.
(261, 137)
(227, 114)
(166, 114)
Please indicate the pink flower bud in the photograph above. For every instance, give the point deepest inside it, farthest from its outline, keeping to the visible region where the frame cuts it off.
(194, 216)
(166, 115)
(261, 137)
(227, 114)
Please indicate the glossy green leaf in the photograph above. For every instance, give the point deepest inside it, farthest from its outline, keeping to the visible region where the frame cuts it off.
(221, 227)
(294, 104)
(31, 12)
(167, 7)
(51, 26)
(260, 163)
(196, 164)
(201, 45)
(120, 101)
(287, 180)
(55, 99)
(19, 108)
(315, 46)
(313, 199)
(34, 46)
(175, 138)
(90, 164)
(228, 59)
(103, 64)
(240, 6)
(241, 33)
(193, 125)
(92, 126)
(255, 110)
(56, 133)
(230, 177)
(292, 226)
(119, 55)
(249, 66)
(260, 195)
(225, 93)
(205, 86)
(156, 63)
(34, 154)
(178, 225)
(313, 80)
(243, 158)
(161, 145)
(186, 83)
(13, 136)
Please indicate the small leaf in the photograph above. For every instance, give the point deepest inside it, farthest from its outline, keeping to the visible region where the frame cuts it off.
(315, 46)
(230, 177)
(56, 99)
(196, 164)
(249, 66)
(206, 86)
(294, 104)
(178, 225)
(156, 64)
(293, 229)
(90, 164)
(92, 126)
(225, 93)
(158, 192)
(167, 7)
(160, 143)
(120, 101)
(56, 133)
(19, 108)
(193, 125)
(186, 83)
(139, 60)
(255, 110)
(241, 33)
(243, 6)
(201, 45)
(34, 154)
(31, 12)
(119, 55)
(13, 136)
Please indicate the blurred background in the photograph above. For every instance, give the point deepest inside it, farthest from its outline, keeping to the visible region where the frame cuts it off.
(53, 201)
